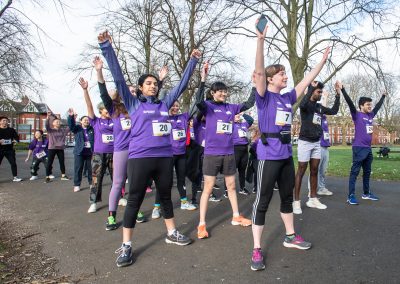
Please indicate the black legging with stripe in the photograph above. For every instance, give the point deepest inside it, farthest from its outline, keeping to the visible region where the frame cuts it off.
(140, 170)
(269, 172)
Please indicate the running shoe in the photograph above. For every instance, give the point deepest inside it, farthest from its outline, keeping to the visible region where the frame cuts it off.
(122, 202)
(125, 256)
(226, 194)
(33, 178)
(186, 205)
(52, 177)
(244, 191)
(315, 203)
(195, 204)
(352, 200)
(111, 224)
(77, 188)
(216, 186)
(178, 239)
(47, 180)
(213, 198)
(156, 213)
(257, 260)
(140, 217)
(92, 208)
(199, 189)
(148, 189)
(324, 191)
(370, 196)
(240, 221)
(64, 177)
(17, 179)
(297, 207)
(296, 242)
(202, 232)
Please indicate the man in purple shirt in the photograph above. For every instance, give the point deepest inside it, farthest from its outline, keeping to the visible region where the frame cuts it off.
(362, 153)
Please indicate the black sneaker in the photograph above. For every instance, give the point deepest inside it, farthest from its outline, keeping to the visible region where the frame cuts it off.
(65, 177)
(111, 224)
(216, 186)
(254, 190)
(178, 239)
(213, 198)
(226, 194)
(244, 191)
(125, 257)
(47, 180)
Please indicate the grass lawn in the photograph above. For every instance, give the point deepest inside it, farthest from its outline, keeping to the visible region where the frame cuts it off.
(340, 158)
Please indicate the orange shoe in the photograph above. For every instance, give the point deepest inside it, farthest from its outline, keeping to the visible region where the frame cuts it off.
(240, 220)
(202, 232)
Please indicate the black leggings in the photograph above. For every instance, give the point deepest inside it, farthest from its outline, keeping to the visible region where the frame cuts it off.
(241, 158)
(140, 170)
(10, 156)
(269, 172)
(180, 170)
(52, 154)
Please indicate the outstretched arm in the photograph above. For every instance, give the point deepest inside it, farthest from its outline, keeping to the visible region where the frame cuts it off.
(200, 92)
(106, 99)
(300, 88)
(379, 104)
(334, 109)
(84, 84)
(250, 101)
(340, 88)
(177, 91)
(71, 121)
(260, 79)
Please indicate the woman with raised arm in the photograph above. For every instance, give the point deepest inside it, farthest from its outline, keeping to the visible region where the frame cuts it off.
(103, 146)
(274, 151)
(150, 150)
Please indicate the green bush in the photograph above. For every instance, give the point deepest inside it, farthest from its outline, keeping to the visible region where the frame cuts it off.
(21, 146)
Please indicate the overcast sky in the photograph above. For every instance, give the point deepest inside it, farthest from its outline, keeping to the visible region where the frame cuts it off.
(79, 29)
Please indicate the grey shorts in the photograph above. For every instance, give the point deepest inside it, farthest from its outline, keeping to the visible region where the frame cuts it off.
(308, 150)
(212, 165)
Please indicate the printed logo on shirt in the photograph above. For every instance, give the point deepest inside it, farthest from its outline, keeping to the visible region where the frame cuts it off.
(107, 124)
(149, 111)
(288, 105)
(228, 112)
(217, 110)
(164, 113)
(278, 103)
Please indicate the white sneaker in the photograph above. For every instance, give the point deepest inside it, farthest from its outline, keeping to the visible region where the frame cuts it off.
(17, 179)
(52, 177)
(122, 202)
(297, 207)
(324, 191)
(315, 203)
(33, 178)
(156, 213)
(77, 188)
(187, 206)
(92, 208)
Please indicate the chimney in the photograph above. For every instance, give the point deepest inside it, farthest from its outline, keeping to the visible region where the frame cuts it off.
(24, 100)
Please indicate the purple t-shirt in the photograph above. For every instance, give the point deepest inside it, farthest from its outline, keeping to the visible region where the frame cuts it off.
(274, 115)
(122, 132)
(363, 128)
(39, 148)
(199, 129)
(325, 138)
(240, 133)
(179, 126)
(103, 135)
(219, 120)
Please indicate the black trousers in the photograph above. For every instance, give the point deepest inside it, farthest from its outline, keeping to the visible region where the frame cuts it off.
(241, 158)
(51, 155)
(36, 162)
(10, 156)
(140, 170)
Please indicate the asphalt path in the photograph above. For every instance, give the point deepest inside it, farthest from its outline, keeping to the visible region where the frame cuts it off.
(351, 244)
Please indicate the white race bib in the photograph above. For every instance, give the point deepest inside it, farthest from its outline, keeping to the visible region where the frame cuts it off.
(86, 144)
(41, 154)
(370, 129)
(316, 119)
(161, 128)
(192, 135)
(242, 133)
(178, 134)
(283, 118)
(125, 123)
(203, 143)
(224, 127)
(107, 138)
(326, 136)
(7, 141)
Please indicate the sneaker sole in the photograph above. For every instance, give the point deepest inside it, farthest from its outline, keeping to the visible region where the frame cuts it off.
(316, 207)
(350, 203)
(202, 237)
(326, 194)
(111, 228)
(297, 212)
(257, 268)
(295, 246)
(141, 221)
(125, 264)
(234, 223)
(177, 243)
(367, 198)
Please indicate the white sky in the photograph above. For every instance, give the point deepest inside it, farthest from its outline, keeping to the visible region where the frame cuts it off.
(79, 30)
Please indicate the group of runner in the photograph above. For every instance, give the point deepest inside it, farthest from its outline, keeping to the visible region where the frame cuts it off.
(140, 136)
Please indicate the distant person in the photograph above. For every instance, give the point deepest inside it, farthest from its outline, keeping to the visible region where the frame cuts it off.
(38, 148)
(8, 137)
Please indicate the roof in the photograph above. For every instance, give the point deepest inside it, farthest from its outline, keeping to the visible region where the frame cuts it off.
(19, 106)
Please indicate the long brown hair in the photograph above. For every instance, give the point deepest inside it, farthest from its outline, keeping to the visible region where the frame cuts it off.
(119, 107)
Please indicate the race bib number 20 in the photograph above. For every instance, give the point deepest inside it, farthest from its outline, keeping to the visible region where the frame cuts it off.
(161, 128)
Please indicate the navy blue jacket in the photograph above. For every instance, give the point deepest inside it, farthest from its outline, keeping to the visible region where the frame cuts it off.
(79, 135)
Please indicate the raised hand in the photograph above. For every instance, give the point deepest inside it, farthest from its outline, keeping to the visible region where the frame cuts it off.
(71, 112)
(49, 113)
(384, 94)
(98, 63)
(205, 71)
(163, 73)
(103, 37)
(84, 84)
(338, 85)
(264, 33)
(196, 53)
(326, 54)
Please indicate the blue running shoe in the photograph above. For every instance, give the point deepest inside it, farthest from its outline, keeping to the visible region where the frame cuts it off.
(352, 200)
(370, 196)
(125, 257)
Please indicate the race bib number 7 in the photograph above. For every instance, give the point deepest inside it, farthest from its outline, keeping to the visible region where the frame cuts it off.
(224, 127)
(370, 129)
(107, 138)
(161, 128)
(283, 118)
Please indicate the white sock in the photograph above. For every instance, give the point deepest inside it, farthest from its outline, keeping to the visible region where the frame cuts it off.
(128, 243)
(236, 214)
(170, 232)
